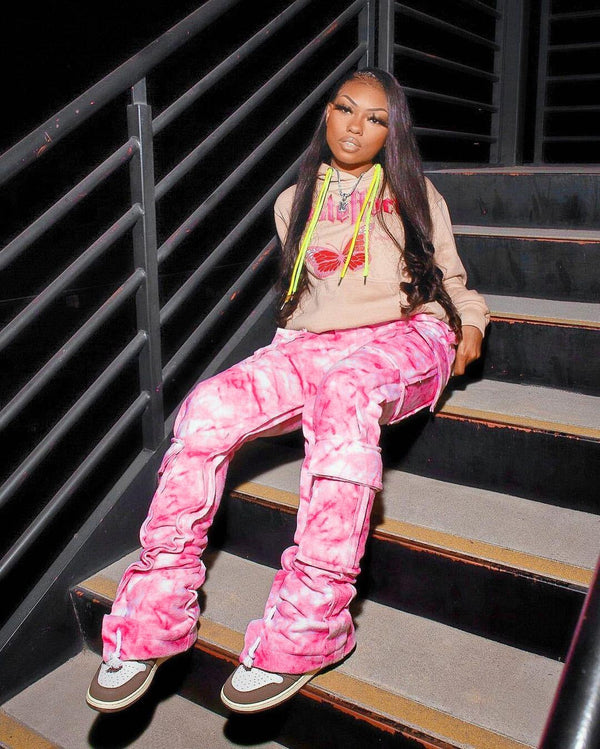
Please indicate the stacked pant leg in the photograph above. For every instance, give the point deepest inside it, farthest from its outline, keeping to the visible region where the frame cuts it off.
(340, 385)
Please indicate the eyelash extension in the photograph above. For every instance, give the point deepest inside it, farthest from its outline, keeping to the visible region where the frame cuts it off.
(372, 118)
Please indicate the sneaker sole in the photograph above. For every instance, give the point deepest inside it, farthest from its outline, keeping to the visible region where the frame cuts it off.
(256, 707)
(115, 706)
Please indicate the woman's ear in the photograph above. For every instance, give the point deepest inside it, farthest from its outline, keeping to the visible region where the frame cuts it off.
(328, 109)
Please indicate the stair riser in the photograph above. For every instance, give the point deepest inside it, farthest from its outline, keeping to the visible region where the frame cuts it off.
(514, 460)
(532, 268)
(303, 722)
(544, 199)
(541, 354)
(524, 611)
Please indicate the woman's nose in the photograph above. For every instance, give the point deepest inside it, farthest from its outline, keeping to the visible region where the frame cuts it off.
(354, 125)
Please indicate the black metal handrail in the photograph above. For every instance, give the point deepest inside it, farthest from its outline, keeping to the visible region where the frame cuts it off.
(61, 124)
(96, 321)
(52, 291)
(574, 718)
(452, 28)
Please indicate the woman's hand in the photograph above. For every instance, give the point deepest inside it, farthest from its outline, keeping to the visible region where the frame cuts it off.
(468, 349)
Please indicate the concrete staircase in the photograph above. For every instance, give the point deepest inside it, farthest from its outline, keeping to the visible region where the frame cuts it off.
(483, 541)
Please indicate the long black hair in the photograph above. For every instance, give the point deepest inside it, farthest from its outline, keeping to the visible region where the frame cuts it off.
(402, 178)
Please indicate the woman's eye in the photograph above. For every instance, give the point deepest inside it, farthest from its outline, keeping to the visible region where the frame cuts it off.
(378, 121)
(342, 108)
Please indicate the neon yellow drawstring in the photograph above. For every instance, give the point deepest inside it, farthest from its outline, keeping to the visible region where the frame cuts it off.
(367, 207)
(308, 236)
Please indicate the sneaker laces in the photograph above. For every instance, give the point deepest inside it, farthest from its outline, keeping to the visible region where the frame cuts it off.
(248, 661)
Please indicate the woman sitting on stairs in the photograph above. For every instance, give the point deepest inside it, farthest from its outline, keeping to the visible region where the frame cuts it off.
(374, 315)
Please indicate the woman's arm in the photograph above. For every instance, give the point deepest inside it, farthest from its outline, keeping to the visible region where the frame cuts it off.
(470, 305)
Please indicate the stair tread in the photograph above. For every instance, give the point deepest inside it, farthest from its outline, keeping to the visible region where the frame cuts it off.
(545, 531)
(544, 309)
(528, 232)
(529, 405)
(55, 707)
(517, 171)
(484, 683)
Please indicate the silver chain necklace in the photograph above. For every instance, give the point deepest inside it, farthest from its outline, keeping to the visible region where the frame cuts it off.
(345, 196)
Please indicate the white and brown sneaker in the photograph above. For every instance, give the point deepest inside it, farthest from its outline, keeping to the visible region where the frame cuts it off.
(250, 690)
(118, 684)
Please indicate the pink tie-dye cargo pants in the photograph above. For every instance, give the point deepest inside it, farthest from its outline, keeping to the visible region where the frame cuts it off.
(339, 386)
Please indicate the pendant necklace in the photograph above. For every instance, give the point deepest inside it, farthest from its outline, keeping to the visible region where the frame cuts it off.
(345, 196)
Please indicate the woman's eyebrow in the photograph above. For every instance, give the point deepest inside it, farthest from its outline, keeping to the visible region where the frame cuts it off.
(370, 109)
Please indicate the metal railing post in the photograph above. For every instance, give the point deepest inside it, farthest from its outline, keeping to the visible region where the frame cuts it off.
(542, 82)
(385, 46)
(139, 121)
(508, 95)
(366, 34)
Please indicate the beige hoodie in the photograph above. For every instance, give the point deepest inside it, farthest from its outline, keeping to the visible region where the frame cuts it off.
(331, 304)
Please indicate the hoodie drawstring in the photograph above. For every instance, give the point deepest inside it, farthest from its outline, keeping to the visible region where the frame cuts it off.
(366, 210)
(308, 235)
(367, 207)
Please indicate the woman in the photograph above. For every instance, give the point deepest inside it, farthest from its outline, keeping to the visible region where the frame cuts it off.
(374, 311)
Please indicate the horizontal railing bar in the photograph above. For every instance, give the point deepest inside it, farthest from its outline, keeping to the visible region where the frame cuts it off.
(37, 527)
(483, 7)
(577, 46)
(76, 411)
(267, 301)
(574, 15)
(454, 134)
(405, 10)
(443, 62)
(226, 127)
(213, 316)
(195, 218)
(572, 138)
(62, 206)
(199, 275)
(435, 96)
(179, 106)
(44, 137)
(573, 108)
(77, 340)
(574, 78)
(51, 292)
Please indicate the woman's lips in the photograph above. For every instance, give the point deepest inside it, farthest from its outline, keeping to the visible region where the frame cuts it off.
(349, 144)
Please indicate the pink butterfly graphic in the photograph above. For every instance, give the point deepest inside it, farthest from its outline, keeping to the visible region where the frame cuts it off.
(325, 261)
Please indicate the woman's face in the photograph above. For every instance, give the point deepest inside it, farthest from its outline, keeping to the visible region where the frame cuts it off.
(357, 125)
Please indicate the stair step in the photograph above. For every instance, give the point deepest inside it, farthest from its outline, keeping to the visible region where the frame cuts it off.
(575, 314)
(552, 263)
(560, 197)
(431, 680)
(509, 438)
(55, 709)
(436, 549)
(541, 342)
(530, 537)
(542, 234)
(17, 735)
(527, 406)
